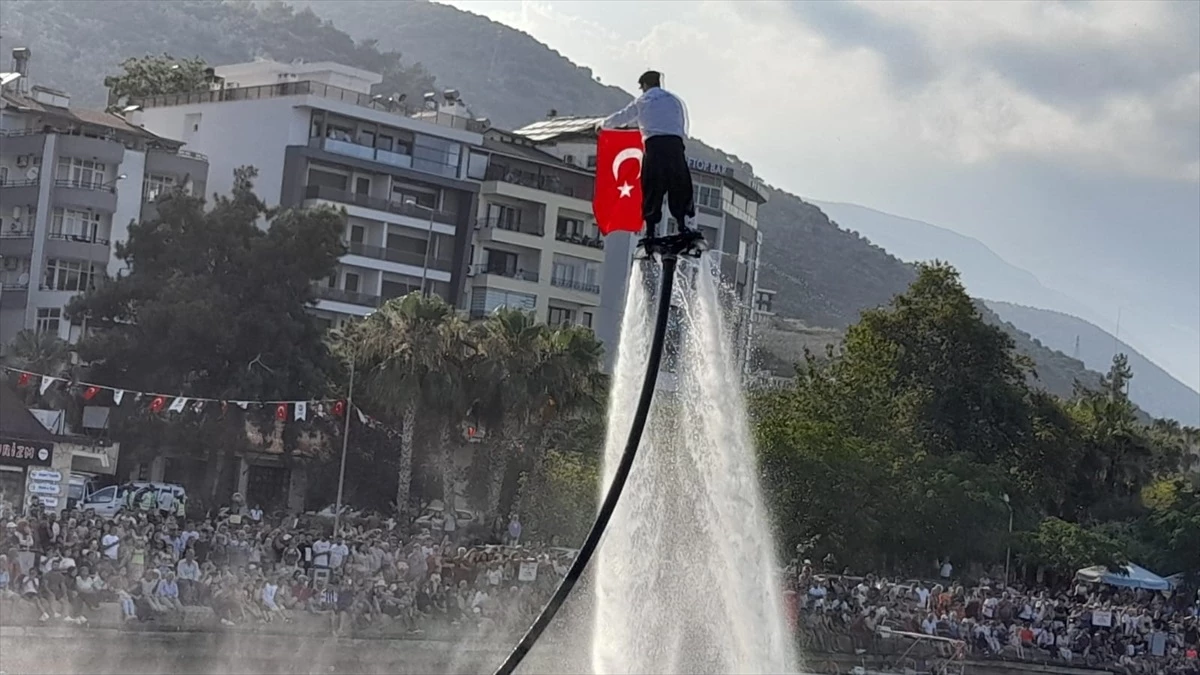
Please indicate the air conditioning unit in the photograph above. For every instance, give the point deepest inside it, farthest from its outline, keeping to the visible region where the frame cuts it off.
(471, 271)
(22, 161)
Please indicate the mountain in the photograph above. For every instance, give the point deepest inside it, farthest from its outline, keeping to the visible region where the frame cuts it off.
(824, 275)
(984, 273)
(1152, 388)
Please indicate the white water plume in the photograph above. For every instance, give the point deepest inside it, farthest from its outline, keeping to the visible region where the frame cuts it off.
(686, 578)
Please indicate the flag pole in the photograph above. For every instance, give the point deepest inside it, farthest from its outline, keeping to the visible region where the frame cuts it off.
(337, 509)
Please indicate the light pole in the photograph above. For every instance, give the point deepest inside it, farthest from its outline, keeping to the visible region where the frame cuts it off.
(337, 508)
(409, 201)
(1008, 542)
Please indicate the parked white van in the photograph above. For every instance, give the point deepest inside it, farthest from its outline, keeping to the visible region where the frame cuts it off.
(108, 502)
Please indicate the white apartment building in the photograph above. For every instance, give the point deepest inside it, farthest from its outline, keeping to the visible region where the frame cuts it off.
(409, 179)
(71, 182)
(536, 243)
(727, 200)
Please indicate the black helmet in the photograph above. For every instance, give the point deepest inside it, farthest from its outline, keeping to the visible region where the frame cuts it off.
(650, 78)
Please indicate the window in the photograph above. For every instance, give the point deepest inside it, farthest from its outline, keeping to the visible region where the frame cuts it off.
(82, 172)
(357, 234)
(560, 316)
(79, 225)
(587, 320)
(48, 319)
(362, 185)
(328, 179)
(570, 228)
(707, 194)
(402, 193)
(352, 282)
(69, 275)
(741, 250)
(591, 161)
(504, 217)
(156, 185)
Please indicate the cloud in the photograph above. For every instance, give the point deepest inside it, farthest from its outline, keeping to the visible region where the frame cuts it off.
(1098, 85)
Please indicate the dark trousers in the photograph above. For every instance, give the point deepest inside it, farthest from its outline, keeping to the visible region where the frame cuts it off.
(665, 173)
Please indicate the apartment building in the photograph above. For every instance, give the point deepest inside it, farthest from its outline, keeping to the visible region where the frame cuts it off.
(727, 200)
(407, 175)
(536, 243)
(71, 182)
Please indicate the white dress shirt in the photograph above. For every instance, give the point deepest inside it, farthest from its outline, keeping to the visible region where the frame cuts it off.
(658, 113)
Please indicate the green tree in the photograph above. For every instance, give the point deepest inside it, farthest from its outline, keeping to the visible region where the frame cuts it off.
(1067, 547)
(148, 76)
(41, 352)
(212, 305)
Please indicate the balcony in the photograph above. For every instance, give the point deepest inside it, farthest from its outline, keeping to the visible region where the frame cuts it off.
(16, 242)
(501, 271)
(20, 192)
(575, 285)
(398, 256)
(77, 247)
(93, 195)
(496, 222)
(348, 297)
(398, 208)
(545, 179)
(15, 295)
(590, 242)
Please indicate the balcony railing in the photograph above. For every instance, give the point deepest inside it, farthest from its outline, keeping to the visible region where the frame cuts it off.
(398, 256)
(81, 238)
(310, 88)
(590, 242)
(501, 271)
(547, 181)
(349, 297)
(24, 182)
(99, 186)
(574, 285)
(365, 201)
(14, 285)
(504, 224)
(16, 234)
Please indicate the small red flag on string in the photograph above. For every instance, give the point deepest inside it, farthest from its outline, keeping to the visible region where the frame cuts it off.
(23, 379)
(157, 404)
(281, 412)
(90, 393)
(339, 408)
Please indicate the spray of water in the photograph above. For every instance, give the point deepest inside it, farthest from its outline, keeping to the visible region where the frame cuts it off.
(685, 578)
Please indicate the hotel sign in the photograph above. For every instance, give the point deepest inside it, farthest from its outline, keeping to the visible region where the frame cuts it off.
(709, 167)
(25, 453)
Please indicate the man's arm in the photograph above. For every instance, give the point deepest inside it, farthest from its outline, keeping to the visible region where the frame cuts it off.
(623, 116)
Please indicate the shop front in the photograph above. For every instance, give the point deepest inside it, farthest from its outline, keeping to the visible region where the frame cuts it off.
(27, 476)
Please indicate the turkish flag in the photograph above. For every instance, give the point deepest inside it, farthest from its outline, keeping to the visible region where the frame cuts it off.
(617, 201)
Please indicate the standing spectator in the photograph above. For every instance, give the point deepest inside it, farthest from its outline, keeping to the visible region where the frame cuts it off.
(188, 576)
(514, 530)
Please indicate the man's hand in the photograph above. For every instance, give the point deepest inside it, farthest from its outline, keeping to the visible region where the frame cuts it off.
(599, 125)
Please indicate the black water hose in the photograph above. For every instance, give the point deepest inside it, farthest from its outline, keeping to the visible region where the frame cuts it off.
(618, 482)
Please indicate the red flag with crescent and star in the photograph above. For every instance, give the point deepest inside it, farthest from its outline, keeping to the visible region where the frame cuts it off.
(617, 202)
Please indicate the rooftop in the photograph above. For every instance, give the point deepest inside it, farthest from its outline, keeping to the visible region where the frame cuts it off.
(314, 88)
(56, 116)
(558, 128)
(509, 144)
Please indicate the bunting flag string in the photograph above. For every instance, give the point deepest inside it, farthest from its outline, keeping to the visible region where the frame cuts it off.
(300, 410)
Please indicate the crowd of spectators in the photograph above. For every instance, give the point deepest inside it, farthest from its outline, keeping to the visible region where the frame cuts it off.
(1132, 631)
(241, 567)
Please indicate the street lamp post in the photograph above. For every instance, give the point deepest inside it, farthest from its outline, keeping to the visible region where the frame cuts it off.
(1008, 543)
(428, 242)
(337, 508)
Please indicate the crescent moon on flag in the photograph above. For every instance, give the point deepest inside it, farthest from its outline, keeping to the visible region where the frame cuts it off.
(627, 154)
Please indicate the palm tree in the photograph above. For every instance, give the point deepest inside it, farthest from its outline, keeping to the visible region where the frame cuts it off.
(569, 372)
(399, 350)
(42, 352)
(508, 388)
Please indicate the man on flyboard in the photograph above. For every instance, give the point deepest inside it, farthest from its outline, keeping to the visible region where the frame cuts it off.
(662, 118)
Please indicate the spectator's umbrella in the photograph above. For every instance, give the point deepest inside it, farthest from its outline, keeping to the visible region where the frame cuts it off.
(1133, 576)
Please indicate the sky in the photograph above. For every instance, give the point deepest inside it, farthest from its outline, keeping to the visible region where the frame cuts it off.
(1064, 135)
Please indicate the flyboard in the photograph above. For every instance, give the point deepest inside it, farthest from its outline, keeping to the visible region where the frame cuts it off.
(667, 250)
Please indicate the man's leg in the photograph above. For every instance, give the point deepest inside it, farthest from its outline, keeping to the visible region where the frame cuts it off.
(654, 184)
(680, 194)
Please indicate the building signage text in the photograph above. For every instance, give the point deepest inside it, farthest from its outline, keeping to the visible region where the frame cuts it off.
(25, 453)
(709, 167)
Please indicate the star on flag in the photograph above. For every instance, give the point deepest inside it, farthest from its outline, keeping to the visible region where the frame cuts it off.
(626, 189)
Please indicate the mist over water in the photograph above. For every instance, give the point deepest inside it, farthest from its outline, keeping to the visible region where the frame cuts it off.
(685, 577)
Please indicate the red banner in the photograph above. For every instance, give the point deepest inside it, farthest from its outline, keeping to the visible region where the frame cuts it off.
(617, 202)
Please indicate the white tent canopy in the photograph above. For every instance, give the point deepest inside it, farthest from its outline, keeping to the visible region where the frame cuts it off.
(1134, 576)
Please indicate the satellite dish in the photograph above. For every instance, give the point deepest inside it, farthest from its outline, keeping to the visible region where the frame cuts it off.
(32, 173)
